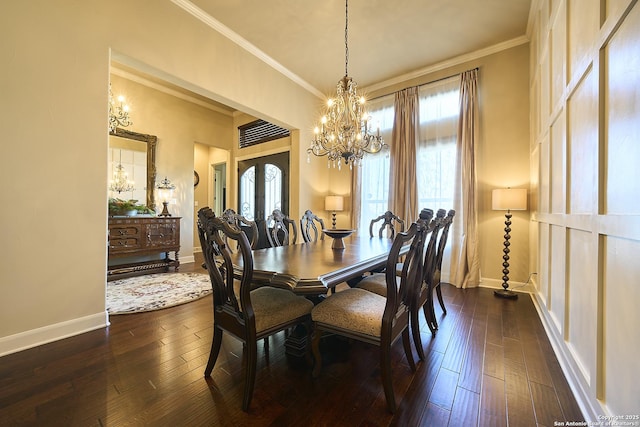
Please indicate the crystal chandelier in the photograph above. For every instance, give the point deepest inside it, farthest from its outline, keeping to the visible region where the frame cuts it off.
(118, 113)
(120, 182)
(345, 128)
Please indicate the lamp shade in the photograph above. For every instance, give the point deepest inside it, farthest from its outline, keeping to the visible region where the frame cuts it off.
(333, 203)
(514, 199)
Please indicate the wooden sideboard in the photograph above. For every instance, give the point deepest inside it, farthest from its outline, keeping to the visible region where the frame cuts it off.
(142, 237)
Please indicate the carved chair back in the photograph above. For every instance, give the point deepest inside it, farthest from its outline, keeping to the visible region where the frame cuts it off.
(243, 223)
(389, 223)
(308, 228)
(277, 228)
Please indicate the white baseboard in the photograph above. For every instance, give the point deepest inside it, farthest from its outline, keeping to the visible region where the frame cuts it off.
(589, 405)
(187, 259)
(35, 337)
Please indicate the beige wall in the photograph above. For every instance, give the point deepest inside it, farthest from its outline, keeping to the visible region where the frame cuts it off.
(502, 154)
(54, 85)
(585, 87)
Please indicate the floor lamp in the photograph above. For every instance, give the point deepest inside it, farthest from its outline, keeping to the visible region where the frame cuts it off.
(507, 199)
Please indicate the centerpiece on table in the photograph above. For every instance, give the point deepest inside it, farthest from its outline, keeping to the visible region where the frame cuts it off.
(120, 207)
(337, 234)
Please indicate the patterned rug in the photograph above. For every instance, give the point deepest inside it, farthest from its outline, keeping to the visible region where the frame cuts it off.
(155, 291)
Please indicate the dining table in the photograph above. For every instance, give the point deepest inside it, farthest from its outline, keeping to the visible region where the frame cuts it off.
(312, 268)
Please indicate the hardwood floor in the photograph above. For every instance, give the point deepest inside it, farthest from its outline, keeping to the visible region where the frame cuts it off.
(490, 364)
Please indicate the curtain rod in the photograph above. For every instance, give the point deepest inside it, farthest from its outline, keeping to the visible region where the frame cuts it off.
(427, 83)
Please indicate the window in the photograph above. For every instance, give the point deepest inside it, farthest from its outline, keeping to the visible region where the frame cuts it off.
(259, 131)
(374, 192)
(435, 156)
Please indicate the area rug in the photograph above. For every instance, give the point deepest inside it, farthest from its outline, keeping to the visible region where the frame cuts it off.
(155, 291)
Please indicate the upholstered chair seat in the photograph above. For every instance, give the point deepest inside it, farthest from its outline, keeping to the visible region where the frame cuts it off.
(352, 309)
(273, 307)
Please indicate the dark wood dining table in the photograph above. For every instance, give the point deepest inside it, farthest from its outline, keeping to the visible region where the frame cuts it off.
(313, 268)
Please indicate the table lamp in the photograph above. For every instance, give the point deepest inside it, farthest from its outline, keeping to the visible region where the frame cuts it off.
(509, 199)
(165, 191)
(333, 204)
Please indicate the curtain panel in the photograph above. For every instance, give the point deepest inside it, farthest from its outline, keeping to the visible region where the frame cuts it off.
(465, 263)
(403, 199)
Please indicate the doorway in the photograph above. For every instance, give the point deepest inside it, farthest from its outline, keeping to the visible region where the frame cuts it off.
(263, 185)
(219, 188)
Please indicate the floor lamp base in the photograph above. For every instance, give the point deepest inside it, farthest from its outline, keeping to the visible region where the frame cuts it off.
(505, 293)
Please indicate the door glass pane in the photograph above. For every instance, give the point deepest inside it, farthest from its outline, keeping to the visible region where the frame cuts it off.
(272, 188)
(248, 193)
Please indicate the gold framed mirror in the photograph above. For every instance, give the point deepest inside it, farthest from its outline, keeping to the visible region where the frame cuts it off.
(125, 141)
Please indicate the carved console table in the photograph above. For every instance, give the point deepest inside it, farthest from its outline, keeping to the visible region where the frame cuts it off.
(136, 237)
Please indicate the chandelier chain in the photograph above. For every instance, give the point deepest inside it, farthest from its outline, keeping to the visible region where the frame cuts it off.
(346, 37)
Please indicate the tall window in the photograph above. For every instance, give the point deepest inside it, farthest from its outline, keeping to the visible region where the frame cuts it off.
(436, 156)
(374, 192)
(436, 152)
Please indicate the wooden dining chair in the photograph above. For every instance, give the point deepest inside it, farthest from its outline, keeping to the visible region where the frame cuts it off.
(387, 228)
(374, 319)
(377, 283)
(442, 243)
(424, 295)
(311, 227)
(277, 228)
(258, 312)
(389, 223)
(243, 223)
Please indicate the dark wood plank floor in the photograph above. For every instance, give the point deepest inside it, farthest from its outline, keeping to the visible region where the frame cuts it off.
(490, 364)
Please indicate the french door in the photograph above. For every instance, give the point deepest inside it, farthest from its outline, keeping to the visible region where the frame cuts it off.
(263, 185)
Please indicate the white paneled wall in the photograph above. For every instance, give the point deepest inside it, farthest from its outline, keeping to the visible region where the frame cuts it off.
(585, 153)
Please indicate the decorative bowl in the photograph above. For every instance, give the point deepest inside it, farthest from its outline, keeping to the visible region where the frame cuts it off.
(337, 234)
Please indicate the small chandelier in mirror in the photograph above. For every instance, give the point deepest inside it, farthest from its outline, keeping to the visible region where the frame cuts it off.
(120, 182)
(345, 128)
(118, 113)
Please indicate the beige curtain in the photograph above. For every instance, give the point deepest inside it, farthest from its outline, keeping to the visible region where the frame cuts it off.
(465, 264)
(403, 198)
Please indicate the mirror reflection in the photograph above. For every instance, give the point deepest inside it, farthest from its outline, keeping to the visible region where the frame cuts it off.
(132, 171)
(127, 169)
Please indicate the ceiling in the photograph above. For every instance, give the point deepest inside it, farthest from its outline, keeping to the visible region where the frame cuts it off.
(386, 39)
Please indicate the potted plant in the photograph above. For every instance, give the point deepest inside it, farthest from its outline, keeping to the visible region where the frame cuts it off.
(127, 207)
